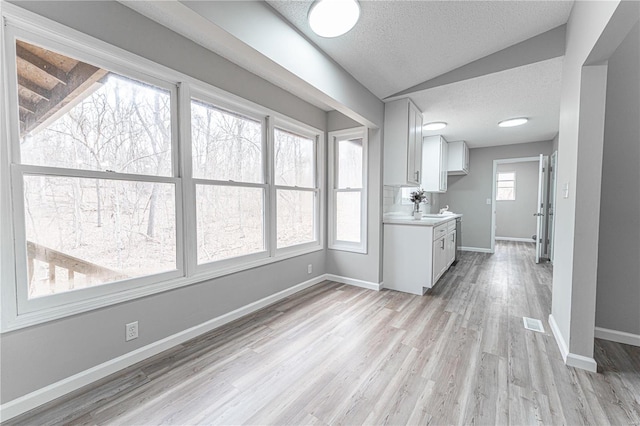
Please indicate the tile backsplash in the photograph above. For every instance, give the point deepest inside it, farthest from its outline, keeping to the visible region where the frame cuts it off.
(392, 201)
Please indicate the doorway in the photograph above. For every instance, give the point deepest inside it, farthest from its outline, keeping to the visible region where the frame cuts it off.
(520, 202)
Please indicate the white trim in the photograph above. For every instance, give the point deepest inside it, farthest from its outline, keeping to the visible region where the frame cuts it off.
(618, 336)
(562, 345)
(582, 362)
(41, 396)
(518, 239)
(354, 282)
(477, 249)
(570, 359)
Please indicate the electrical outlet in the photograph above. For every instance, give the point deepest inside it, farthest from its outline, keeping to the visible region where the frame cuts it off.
(309, 269)
(131, 331)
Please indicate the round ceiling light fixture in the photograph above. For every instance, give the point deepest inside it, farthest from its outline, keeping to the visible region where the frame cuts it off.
(436, 125)
(512, 122)
(332, 18)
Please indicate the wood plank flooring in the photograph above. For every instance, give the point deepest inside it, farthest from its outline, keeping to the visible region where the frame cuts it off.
(336, 354)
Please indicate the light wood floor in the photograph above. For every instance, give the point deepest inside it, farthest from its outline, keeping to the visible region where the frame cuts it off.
(336, 354)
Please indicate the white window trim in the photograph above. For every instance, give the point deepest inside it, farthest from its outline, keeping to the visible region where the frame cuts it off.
(514, 185)
(334, 243)
(94, 51)
(293, 126)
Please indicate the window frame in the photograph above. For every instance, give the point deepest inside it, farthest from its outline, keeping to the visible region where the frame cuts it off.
(291, 126)
(201, 94)
(498, 180)
(334, 138)
(33, 28)
(25, 305)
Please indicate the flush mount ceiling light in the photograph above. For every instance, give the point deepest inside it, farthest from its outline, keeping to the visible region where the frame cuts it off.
(512, 122)
(436, 125)
(332, 18)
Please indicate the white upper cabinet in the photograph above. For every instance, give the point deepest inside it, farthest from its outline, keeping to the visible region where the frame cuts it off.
(402, 143)
(434, 164)
(458, 158)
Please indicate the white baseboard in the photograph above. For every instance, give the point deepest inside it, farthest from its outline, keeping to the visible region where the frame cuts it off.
(618, 336)
(570, 359)
(352, 281)
(517, 239)
(476, 249)
(583, 362)
(49, 393)
(562, 345)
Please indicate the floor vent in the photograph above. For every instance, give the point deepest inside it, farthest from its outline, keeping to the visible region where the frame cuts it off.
(533, 324)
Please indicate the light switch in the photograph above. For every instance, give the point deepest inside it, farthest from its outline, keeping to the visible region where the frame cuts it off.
(565, 190)
(489, 201)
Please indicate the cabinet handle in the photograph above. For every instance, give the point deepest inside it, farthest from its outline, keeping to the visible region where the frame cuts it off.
(442, 246)
(417, 173)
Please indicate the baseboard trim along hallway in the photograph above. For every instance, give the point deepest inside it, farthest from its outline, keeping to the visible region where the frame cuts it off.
(618, 336)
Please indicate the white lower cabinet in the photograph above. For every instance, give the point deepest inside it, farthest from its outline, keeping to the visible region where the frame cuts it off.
(416, 256)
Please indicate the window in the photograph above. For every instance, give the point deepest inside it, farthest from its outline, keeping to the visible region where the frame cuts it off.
(506, 186)
(128, 178)
(348, 176)
(95, 170)
(228, 169)
(296, 188)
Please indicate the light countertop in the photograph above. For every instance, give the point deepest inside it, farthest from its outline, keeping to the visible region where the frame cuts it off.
(404, 219)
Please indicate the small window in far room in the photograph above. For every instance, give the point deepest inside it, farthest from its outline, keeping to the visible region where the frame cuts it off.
(506, 186)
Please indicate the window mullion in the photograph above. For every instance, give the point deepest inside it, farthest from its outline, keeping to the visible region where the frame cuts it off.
(271, 209)
(188, 240)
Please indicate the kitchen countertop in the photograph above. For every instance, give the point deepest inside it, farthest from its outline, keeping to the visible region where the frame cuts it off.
(404, 219)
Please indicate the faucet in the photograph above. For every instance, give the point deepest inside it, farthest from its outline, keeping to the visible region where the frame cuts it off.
(444, 209)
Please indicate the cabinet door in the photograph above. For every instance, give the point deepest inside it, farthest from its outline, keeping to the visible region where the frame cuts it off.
(414, 146)
(451, 247)
(444, 164)
(417, 165)
(466, 157)
(411, 147)
(439, 258)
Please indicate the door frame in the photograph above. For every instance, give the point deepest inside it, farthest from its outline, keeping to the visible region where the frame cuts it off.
(493, 191)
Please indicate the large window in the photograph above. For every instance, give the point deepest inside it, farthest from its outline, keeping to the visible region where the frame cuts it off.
(348, 176)
(506, 186)
(296, 186)
(227, 160)
(129, 179)
(95, 170)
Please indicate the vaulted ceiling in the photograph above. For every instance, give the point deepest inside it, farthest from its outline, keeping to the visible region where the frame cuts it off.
(469, 63)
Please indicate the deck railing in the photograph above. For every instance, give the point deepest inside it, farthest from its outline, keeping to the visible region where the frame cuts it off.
(72, 264)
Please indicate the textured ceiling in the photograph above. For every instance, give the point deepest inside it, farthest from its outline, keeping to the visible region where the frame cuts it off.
(473, 108)
(398, 44)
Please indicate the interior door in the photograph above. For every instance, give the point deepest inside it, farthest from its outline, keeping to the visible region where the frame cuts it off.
(541, 216)
(552, 201)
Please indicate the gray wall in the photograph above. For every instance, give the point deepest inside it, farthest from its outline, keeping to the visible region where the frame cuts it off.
(514, 219)
(618, 291)
(365, 267)
(467, 194)
(37, 356)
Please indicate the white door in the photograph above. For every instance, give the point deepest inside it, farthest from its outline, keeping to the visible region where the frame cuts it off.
(541, 216)
(552, 201)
